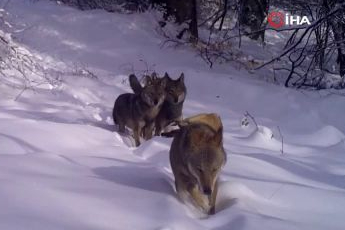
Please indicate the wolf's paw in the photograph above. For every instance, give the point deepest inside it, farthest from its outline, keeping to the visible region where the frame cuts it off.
(204, 204)
(212, 210)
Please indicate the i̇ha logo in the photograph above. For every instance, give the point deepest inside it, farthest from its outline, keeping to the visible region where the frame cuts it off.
(278, 19)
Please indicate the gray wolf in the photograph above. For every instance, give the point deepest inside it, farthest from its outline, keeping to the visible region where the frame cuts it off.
(139, 110)
(197, 157)
(171, 110)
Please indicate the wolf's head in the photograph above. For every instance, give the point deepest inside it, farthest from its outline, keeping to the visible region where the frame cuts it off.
(153, 93)
(206, 156)
(175, 89)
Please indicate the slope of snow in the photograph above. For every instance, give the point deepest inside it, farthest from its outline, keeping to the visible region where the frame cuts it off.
(64, 166)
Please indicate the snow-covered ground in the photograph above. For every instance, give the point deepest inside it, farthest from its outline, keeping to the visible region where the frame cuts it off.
(64, 166)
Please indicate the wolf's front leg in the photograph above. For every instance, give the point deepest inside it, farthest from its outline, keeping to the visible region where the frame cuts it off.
(213, 199)
(158, 129)
(136, 135)
(200, 200)
(148, 129)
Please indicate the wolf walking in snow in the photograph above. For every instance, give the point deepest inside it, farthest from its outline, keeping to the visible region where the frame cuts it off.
(171, 110)
(197, 157)
(139, 110)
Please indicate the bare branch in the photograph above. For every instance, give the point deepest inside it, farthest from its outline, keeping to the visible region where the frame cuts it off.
(282, 140)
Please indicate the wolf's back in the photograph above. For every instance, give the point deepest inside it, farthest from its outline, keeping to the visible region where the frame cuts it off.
(210, 119)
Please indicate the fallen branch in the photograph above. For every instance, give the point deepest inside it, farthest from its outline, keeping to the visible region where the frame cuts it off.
(282, 139)
(247, 114)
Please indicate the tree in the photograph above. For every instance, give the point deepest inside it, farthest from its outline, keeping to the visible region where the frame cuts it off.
(252, 14)
(183, 12)
(337, 23)
(310, 49)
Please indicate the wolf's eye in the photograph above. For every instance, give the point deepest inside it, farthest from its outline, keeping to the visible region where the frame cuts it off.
(200, 170)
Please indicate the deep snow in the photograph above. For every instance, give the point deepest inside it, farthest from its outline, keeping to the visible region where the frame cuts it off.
(64, 166)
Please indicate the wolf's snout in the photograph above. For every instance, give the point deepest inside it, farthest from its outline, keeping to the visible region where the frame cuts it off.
(176, 99)
(155, 101)
(207, 191)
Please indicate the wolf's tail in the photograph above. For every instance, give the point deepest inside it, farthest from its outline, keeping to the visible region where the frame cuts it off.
(135, 84)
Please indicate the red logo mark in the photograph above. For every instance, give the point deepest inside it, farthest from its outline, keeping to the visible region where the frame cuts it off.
(275, 19)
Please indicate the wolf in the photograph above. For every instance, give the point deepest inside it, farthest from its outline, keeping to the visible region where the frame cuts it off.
(171, 110)
(196, 158)
(139, 110)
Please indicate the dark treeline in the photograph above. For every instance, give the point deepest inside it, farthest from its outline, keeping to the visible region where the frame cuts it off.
(311, 52)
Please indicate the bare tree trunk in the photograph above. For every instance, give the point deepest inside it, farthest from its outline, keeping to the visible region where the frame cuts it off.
(338, 28)
(193, 25)
(252, 15)
(183, 11)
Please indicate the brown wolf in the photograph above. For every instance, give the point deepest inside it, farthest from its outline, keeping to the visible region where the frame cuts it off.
(138, 111)
(196, 157)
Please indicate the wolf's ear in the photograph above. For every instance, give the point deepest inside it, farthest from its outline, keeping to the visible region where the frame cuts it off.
(196, 137)
(163, 82)
(154, 75)
(200, 135)
(218, 137)
(166, 75)
(148, 80)
(181, 79)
